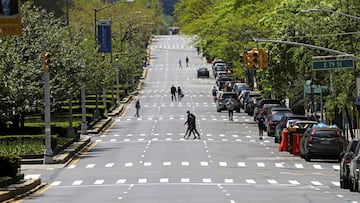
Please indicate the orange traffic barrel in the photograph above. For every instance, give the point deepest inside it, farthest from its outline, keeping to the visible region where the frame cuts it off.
(284, 141)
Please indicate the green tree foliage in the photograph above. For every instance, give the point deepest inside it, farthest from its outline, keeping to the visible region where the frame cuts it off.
(226, 28)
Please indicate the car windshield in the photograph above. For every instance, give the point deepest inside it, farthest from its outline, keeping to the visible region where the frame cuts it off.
(229, 96)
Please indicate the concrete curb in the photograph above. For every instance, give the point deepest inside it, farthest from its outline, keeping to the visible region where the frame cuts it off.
(19, 190)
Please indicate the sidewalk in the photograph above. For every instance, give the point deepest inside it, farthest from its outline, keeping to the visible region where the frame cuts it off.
(28, 187)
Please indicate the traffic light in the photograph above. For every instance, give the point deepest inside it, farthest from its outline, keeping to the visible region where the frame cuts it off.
(264, 59)
(243, 57)
(252, 59)
(47, 56)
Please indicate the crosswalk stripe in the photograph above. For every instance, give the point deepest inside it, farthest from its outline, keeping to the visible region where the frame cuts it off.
(204, 163)
(294, 182)
(336, 183)
(229, 181)
(336, 167)
(185, 180)
(128, 164)
(121, 181)
(98, 182)
(90, 166)
(241, 164)
(77, 182)
(260, 164)
(299, 166)
(185, 163)
(223, 164)
(142, 180)
(71, 167)
(164, 180)
(206, 180)
(250, 181)
(279, 165)
(316, 183)
(32, 176)
(147, 164)
(317, 166)
(272, 181)
(108, 165)
(56, 183)
(166, 163)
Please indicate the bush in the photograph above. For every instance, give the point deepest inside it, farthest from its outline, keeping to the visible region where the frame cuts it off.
(10, 165)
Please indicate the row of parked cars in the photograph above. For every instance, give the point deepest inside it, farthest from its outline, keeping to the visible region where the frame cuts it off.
(317, 140)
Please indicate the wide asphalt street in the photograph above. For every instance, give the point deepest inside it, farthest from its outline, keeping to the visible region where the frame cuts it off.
(145, 159)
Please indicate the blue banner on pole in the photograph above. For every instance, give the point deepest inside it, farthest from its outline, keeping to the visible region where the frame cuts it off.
(104, 35)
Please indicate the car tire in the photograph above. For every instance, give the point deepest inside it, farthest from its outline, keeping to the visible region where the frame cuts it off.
(276, 140)
(307, 157)
(218, 110)
(345, 183)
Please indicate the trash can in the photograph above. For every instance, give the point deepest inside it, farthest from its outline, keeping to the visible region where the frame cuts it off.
(284, 141)
(296, 143)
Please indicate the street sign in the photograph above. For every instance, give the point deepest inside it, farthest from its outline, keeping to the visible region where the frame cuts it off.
(104, 35)
(358, 101)
(333, 64)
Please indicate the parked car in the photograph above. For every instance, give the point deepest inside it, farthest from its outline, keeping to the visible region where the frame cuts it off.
(223, 97)
(241, 98)
(220, 74)
(251, 102)
(219, 67)
(283, 123)
(203, 72)
(354, 170)
(260, 109)
(220, 81)
(321, 142)
(345, 163)
(239, 87)
(218, 62)
(273, 118)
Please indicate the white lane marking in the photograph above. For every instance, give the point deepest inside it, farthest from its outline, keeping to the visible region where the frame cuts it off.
(279, 165)
(166, 163)
(241, 164)
(164, 180)
(250, 181)
(142, 180)
(71, 167)
(109, 165)
(204, 163)
(206, 180)
(129, 164)
(316, 183)
(99, 182)
(229, 181)
(112, 140)
(77, 182)
(294, 182)
(185, 180)
(260, 164)
(90, 166)
(272, 181)
(147, 164)
(317, 166)
(185, 163)
(336, 167)
(56, 183)
(223, 164)
(121, 181)
(299, 166)
(336, 183)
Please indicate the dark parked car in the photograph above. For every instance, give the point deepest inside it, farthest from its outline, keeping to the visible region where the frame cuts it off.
(284, 122)
(203, 72)
(220, 82)
(345, 163)
(251, 102)
(321, 142)
(354, 170)
(223, 98)
(273, 118)
(261, 109)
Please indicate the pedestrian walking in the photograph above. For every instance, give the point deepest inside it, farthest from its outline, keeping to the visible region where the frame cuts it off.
(137, 106)
(173, 93)
(180, 63)
(230, 105)
(180, 93)
(261, 125)
(187, 61)
(191, 122)
(214, 93)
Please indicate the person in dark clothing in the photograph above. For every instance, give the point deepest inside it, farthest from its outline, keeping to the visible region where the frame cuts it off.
(261, 125)
(173, 93)
(137, 106)
(187, 61)
(191, 122)
(180, 94)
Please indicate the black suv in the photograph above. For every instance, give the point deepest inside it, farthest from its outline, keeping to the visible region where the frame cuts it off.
(322, 142)
(354, 170)
(223, 97)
